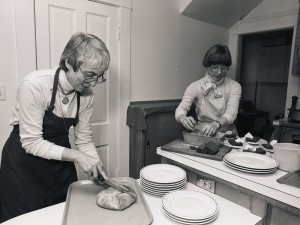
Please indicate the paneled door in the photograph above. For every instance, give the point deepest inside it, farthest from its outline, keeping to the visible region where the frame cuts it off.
(56, 21)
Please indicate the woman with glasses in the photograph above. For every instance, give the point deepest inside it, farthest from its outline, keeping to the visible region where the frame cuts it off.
(37, 163)
(215, 96)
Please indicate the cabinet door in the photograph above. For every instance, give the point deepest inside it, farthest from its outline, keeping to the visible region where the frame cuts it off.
(282, 217)
(289, 135)
(162, 128)
(56, 21)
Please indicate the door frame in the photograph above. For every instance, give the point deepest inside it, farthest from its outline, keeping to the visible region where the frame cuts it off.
(26, 42)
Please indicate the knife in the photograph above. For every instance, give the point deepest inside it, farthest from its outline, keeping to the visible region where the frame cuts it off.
(111, 183)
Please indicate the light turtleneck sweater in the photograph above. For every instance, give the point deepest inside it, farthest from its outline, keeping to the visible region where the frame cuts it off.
(210, 107)
(33, 98)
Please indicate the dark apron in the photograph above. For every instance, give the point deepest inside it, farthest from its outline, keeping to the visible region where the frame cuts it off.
(28, 182)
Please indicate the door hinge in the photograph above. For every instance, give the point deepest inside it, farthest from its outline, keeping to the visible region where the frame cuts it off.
(119, 33)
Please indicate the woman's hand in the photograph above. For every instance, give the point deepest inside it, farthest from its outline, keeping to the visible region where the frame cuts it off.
(90, 165)
(210, 129)
(187, 122)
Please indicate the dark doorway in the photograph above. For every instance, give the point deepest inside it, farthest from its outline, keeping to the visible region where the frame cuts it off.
(264, 71)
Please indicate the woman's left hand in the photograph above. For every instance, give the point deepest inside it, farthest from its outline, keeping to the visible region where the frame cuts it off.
(210, 129)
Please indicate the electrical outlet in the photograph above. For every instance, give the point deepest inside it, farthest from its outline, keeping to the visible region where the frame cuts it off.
(2, 92)
(208, 185)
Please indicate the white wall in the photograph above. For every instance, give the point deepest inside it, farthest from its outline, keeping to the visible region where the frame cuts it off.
(8, 65)
(269, 15)
(167, 49)
(17, 56)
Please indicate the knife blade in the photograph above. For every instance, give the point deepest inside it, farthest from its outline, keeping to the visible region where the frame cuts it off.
(111, 183)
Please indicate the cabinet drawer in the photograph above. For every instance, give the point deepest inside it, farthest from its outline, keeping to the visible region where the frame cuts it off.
(289, 135)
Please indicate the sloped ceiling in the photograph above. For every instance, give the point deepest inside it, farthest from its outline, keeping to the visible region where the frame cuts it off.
(224, 13)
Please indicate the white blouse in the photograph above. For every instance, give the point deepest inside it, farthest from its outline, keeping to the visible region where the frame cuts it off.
(210, 108)
(33, 98)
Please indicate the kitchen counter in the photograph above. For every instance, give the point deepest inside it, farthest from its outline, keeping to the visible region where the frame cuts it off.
(229, 213)
(277, 204)
(264, 184)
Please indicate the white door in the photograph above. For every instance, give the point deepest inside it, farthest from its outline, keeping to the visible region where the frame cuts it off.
(56, 21)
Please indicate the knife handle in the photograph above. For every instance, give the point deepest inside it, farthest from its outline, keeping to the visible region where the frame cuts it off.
(100, 177)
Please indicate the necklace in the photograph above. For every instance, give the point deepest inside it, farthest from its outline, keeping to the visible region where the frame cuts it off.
(65, 100)
(62, 112)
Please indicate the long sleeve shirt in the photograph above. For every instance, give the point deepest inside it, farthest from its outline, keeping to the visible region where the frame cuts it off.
(208, 107)
(33, 98)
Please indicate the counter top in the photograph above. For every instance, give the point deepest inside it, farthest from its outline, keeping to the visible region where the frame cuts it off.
(286, 122)
(229, 213)
(264, 184)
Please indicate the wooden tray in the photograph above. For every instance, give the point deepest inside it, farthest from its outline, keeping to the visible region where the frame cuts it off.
(180, 146)
(81, 207)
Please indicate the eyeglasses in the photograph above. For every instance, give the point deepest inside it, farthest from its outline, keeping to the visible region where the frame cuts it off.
(93, 77)
(216, 68)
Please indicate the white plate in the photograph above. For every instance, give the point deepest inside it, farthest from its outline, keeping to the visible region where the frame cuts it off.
(189, 222)
(185, 220)
(251, 160)
(161, 184)
(246, 168)
(158, 193)
(248, 171)
(163, 188)
(189, 205)
(163, 173)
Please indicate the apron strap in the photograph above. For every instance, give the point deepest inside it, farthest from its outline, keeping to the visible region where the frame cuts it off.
(54, 90)
(78, 106)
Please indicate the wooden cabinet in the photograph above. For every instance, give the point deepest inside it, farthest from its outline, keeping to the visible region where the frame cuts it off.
(152, 124)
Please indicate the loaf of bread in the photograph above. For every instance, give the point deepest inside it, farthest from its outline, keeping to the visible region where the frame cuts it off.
(115, 200)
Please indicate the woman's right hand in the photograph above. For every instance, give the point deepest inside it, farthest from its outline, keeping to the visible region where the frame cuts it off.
(90, 165)
(187, 122)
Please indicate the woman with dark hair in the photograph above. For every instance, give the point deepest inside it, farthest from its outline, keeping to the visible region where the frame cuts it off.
(37, 163)
(215, 96)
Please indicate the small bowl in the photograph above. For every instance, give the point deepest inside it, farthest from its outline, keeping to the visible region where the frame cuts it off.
(288, 156)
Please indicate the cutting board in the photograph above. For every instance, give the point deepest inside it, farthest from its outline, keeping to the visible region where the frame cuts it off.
(179, 146)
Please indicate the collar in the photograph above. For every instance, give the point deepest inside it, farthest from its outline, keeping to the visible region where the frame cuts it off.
(64, 82)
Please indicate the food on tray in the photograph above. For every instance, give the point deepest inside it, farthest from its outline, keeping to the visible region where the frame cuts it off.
(257, 150)
(235, 142)
(267, 146)
(254, 139)
(115, 200)
(227, 135)
(250, 138)
(209, 148)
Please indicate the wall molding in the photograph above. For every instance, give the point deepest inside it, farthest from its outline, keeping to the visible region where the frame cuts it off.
(117, 3)
(286, 18)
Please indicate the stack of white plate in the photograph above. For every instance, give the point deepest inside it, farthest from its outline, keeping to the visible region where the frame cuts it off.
(250, 162)
(189, 207)
(160, 179)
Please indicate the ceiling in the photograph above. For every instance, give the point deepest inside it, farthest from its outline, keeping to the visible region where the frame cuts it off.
(224, 13)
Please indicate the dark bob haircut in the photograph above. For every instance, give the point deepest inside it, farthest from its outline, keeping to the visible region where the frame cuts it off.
(217, 55)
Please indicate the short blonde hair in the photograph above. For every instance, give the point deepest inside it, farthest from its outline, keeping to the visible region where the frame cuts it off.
(83, 48)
